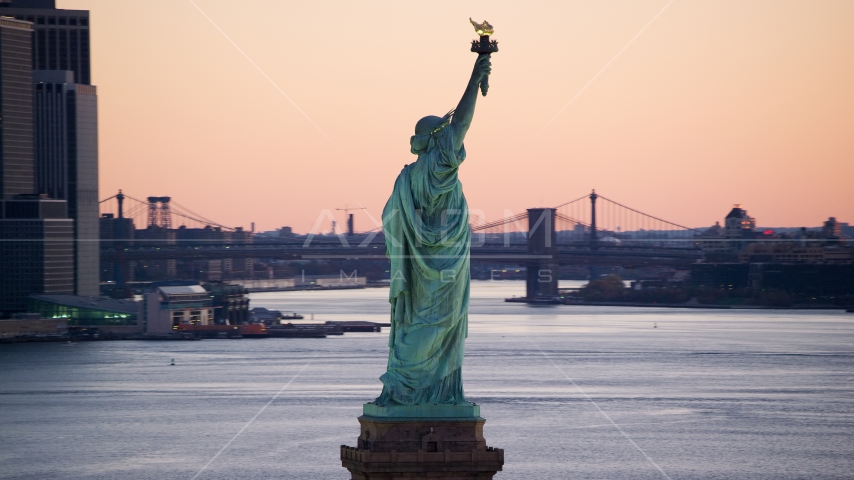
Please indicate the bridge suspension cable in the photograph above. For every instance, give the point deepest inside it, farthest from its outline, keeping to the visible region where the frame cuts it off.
(492, 227)
(573, 201)
(609, 222)
(647, 215)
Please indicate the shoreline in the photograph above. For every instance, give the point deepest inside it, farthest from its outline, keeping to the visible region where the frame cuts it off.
(316, 288)
(847, 309)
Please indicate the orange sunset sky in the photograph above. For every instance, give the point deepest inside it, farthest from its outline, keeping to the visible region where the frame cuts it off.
(716, 102)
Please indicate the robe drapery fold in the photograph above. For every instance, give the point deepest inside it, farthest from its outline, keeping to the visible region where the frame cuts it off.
(427, 236)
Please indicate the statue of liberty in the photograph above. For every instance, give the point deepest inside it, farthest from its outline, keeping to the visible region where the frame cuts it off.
(427, 236)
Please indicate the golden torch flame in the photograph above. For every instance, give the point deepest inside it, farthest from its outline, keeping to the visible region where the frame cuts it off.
(482, 28)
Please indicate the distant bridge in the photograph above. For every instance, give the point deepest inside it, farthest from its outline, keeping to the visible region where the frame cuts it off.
(487, 253)
(541, 239)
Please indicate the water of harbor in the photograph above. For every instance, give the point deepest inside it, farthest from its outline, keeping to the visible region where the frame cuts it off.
(568, 391)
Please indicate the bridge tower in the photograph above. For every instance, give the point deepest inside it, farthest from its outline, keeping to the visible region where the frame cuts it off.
(159, 216)
(594, 239)
(165, 215)
(123, 231)
(120, 197)
(542, 267)
(152, 211)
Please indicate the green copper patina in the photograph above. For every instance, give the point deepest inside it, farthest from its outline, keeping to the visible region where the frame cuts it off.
(426, 225)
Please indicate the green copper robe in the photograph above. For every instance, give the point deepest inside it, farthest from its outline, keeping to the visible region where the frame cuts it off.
(427, 236)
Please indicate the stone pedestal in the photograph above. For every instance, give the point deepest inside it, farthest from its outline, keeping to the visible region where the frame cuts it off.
(422, 441)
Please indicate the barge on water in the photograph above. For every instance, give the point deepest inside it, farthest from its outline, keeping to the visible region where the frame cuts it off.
(219, 331)
(253, 330)
(357, 326)
(287, 330)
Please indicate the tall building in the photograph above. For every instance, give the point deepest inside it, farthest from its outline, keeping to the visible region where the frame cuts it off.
(64, 123)
(738, 223)
(61, 39)
(832, 229)
(16, 109)
(66, 162)
(738, 229)
(36, 235)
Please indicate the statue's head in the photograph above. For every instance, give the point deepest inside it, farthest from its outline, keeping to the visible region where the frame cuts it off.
(432, 124)
(425, 131)
(428, 124)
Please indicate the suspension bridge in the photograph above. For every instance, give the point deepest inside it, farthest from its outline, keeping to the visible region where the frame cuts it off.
(582, 221)
(155, 212)
(589, 230)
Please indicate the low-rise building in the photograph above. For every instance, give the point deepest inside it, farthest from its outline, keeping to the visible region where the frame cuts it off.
(107, 315)
(230, 302)
(168, 307)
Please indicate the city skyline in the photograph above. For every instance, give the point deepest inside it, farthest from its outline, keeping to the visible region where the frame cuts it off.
(699, 106)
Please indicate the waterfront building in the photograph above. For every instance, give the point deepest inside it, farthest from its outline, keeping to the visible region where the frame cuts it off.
(230, 303)
(106, 314)
(168, 307)
(66, 162)
(61, 40)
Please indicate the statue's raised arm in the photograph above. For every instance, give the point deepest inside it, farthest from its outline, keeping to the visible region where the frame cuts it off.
(465, 109)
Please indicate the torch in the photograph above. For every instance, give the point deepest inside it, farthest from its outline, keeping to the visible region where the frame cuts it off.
(483, 47)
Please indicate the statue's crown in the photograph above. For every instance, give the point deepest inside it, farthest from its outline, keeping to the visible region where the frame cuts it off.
(446, 120)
